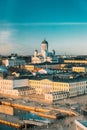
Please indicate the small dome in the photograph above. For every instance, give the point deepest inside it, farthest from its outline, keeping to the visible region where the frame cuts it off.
(44, 42)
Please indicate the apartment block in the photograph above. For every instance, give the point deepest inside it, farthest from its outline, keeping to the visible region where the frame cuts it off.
(74, 87)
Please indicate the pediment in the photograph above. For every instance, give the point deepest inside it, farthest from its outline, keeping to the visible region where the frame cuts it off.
(46, 80)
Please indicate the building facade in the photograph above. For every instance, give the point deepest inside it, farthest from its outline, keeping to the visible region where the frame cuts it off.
(13, 62)
(76, 61)
(53, 97)
(79, 69)
(73, 87)
(11, 86)
(55, 66)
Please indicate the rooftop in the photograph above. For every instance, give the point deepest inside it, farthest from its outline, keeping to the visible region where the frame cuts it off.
(57, 78)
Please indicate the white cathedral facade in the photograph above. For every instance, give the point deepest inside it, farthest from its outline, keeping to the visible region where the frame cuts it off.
(44, 55)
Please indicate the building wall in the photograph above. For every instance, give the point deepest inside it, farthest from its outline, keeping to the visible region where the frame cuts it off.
(20, 83)
(5, 62)
(49, 66)
(48, 86)
(11, 84)
(77, 88)
(44, 59)
(49, 97)
(37, 60)
(7, 86)
(76, 61)
(55, 96)
(25, 91)
(29, 67)
(6, 110)
(9, 92)
(13, 63)
(74, 88)
(43, 86)
(79, 69)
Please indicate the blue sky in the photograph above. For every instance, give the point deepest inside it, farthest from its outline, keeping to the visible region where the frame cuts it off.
(25, 23)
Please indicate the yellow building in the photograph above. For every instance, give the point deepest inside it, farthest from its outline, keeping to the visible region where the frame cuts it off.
(74, 86)
(12, 86)
(79, 69)
(76, 61)
(31, 67)
(6, 110)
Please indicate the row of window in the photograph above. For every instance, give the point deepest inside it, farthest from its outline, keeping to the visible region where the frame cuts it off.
(13, 92)
(56, 84)
(6, 87)
(7, 83)
(50, 84)
(55, 97)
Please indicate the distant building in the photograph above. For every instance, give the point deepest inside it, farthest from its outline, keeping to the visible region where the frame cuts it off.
(25, 91)
(53, 97)
(13, 62)
(45, 65)
(80, 69)
(76, 61)
(74, 87)
(81, 124)
(44, 55)
(30, 67)
(11, 86)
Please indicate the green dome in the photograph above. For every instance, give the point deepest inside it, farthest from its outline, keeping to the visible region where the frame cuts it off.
(44, 42)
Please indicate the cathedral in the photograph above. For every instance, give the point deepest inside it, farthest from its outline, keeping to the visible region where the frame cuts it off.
(44, 55)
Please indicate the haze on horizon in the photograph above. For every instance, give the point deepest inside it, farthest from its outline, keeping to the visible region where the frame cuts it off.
(25, 23)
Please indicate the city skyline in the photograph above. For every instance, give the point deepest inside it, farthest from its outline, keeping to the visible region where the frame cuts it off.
(24, 24)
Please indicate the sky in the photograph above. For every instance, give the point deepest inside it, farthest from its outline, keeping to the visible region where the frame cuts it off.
(24, 24)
